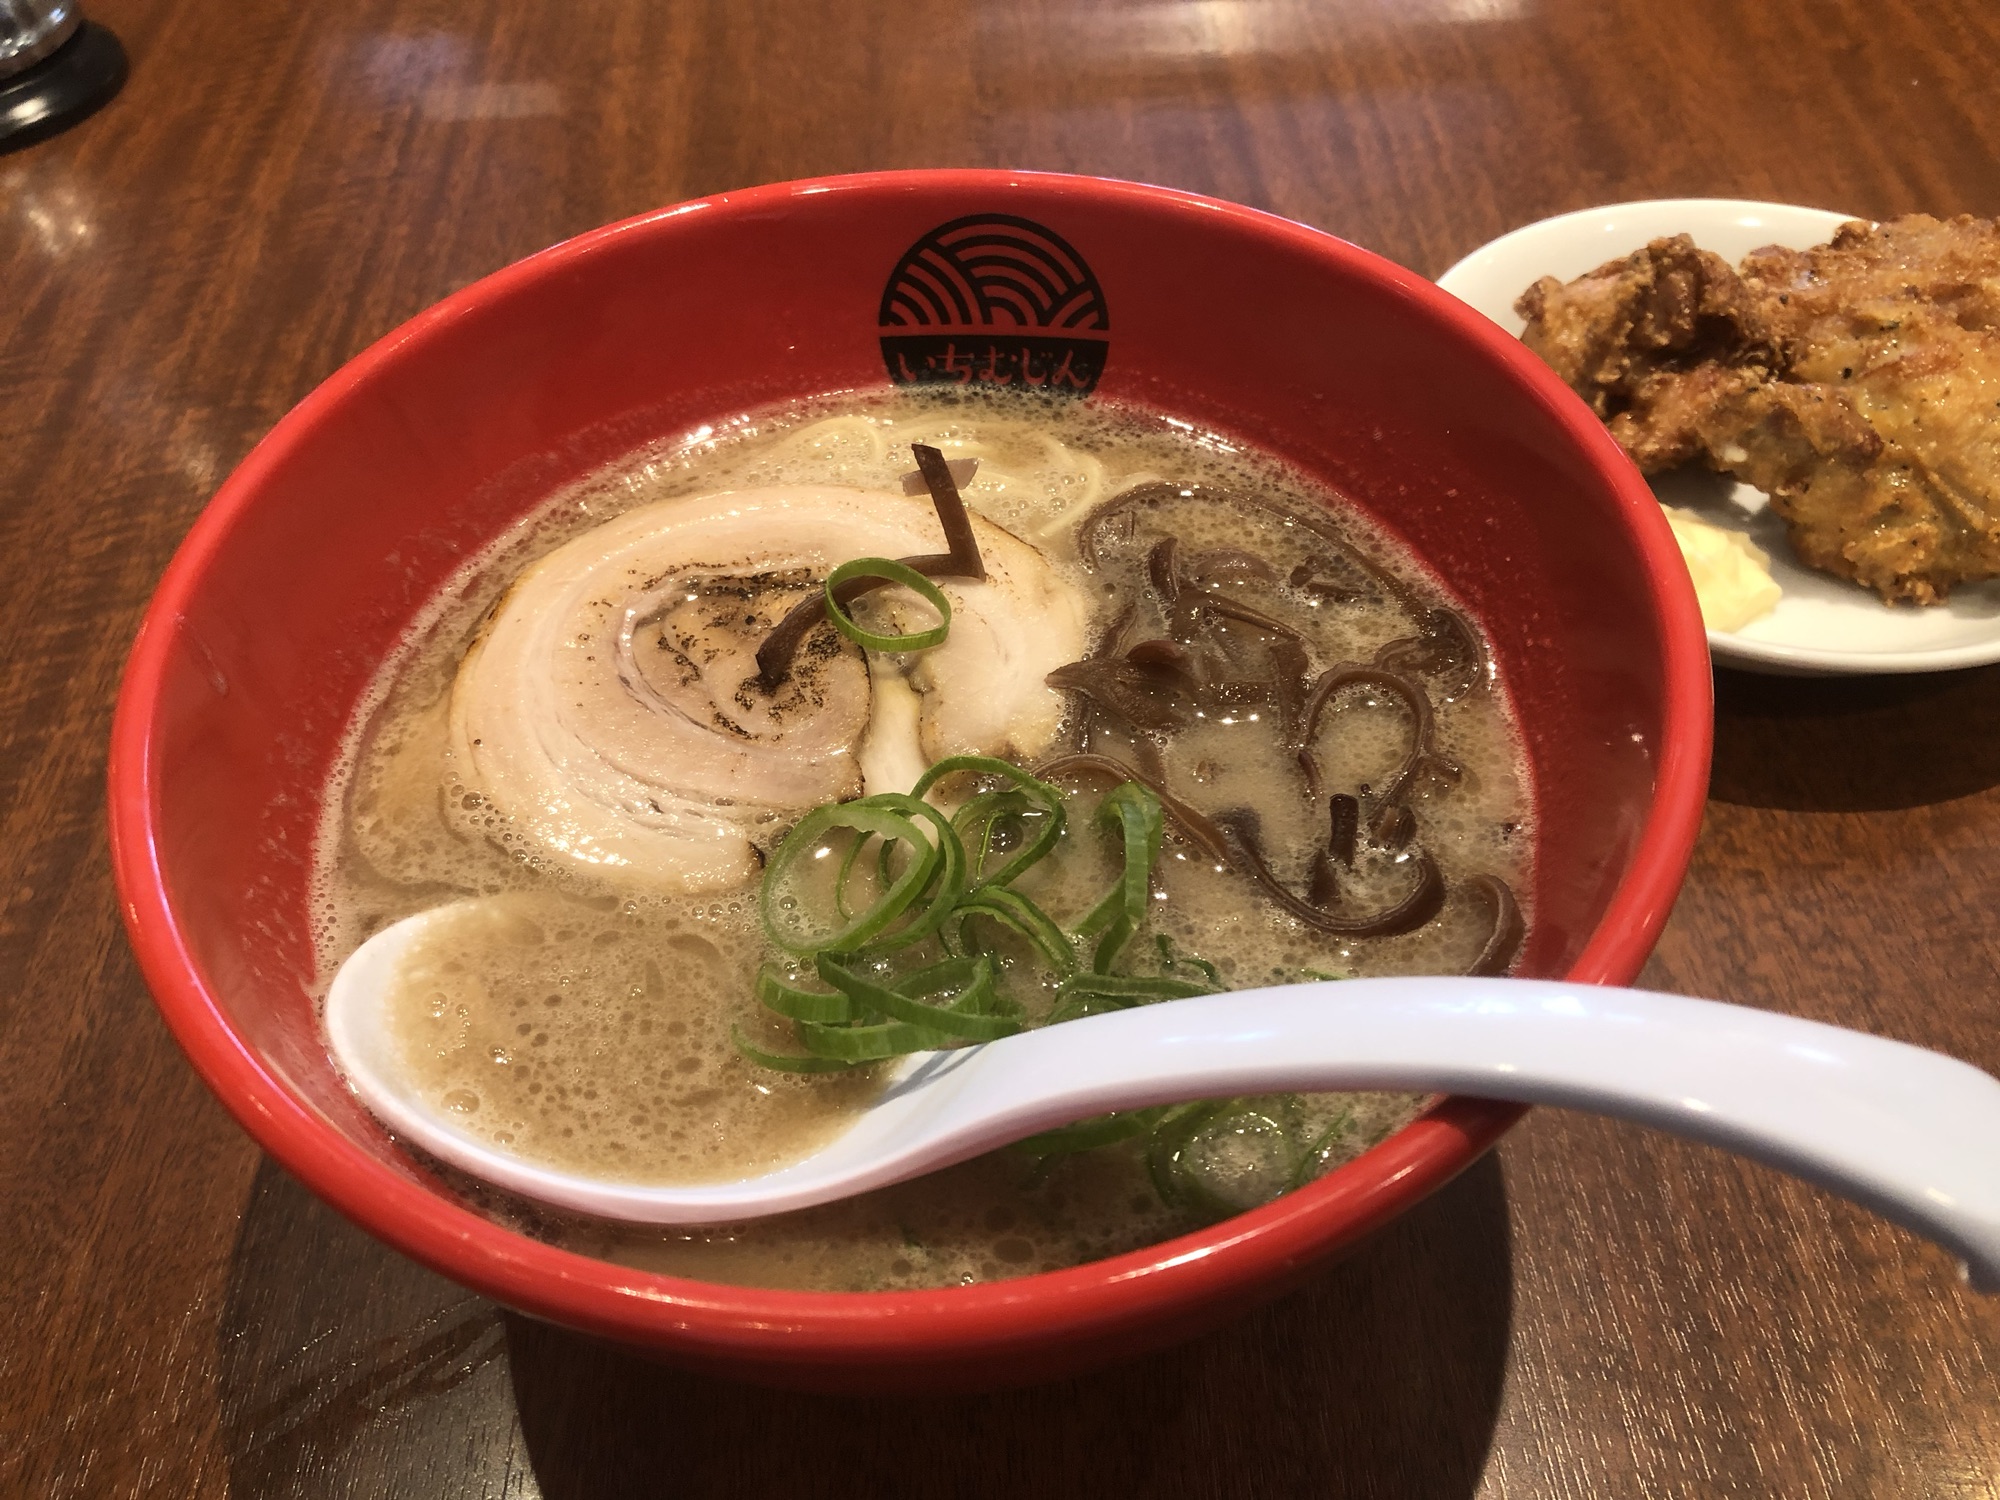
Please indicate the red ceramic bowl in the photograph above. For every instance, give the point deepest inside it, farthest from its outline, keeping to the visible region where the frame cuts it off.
(297, 579)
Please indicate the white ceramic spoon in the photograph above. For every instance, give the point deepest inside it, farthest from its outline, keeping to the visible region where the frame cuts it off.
(1914, 1135)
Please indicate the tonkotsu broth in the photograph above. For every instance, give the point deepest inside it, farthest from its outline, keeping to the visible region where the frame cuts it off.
(589, 1026)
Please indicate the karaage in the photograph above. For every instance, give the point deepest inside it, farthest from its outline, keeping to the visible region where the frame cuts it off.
(1856, 383)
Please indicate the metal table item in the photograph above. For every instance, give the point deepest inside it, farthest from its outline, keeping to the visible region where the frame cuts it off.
(55, 68)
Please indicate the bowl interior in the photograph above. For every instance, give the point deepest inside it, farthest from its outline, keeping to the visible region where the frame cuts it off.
(302, 574)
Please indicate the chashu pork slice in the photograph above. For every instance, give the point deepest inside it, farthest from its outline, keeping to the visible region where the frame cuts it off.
(610, 712)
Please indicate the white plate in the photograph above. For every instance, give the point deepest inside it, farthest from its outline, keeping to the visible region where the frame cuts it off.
(1822, 624)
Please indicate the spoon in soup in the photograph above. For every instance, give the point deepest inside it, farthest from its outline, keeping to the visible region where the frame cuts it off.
(1906, 1132)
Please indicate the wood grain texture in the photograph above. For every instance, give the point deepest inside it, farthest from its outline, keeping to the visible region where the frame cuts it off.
(1596, 1312)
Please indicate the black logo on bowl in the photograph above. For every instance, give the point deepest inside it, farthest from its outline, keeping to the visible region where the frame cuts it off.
(995, 301)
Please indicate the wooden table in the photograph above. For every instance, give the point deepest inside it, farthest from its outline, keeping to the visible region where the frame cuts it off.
(1592, 1312)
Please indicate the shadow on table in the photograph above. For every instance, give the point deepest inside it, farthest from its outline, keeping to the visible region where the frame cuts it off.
(1381, 1377)
(1855, 744)
(345, 1369)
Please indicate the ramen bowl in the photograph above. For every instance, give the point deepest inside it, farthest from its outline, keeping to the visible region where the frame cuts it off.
(295, 584)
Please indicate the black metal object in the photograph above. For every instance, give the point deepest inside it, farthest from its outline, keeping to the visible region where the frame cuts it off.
(62, 88)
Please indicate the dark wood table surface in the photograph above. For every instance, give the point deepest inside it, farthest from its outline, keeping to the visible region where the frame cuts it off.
(1592, 1311)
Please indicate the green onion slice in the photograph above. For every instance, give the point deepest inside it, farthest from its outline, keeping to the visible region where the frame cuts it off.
(1172, 959)
(894, 572)
(893, 818)
(1039, 795)
(1134, 810)
(950, 879)
(1228, 1187)
(784, 1062)
(1320, 1152)
(1088, 1135)
(1169, 1143)
(847, 861)
(1015, 911)
(976, 1010)
(958, 974)
(1132, 988)
(864, 1044)
(1077, 1007)
(967, 1017)
(1092, 994)
(980, 822)
(775, 993)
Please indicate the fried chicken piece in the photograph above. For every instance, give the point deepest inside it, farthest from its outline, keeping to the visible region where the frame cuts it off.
(1652, 342)
(1857, 383)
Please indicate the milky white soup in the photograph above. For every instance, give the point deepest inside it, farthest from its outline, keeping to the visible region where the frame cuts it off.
(561, 747)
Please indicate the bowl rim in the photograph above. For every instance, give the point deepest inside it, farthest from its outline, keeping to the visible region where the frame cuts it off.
(806, 1327)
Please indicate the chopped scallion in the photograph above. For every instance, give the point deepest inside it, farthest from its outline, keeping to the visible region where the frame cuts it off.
(894, 572)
